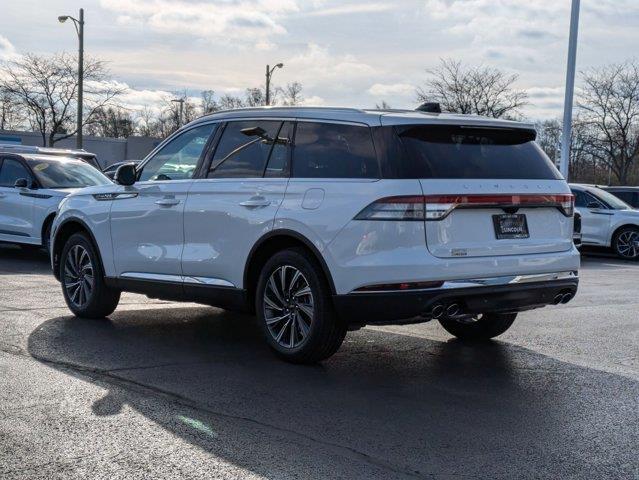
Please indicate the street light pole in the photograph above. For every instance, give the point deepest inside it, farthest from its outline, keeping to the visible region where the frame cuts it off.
(570, 89)
(78, 23)
(269, 74)
(181, 111)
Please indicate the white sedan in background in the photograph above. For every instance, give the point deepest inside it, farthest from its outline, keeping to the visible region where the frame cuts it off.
(31, 187)
(607, 221)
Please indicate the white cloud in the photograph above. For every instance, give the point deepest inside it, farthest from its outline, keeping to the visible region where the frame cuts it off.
(7, 50)
(240, 20)
(351, 9)
(388, 89)
(317, 66)
(313, 101)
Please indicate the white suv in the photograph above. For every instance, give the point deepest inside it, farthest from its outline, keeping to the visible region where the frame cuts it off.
(321, 220)
(31, 187)
(607, 221)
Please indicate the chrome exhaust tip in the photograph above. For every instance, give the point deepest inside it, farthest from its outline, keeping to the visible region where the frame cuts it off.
(566, 298)
(452, 310)
(437, 311)
(558, 298)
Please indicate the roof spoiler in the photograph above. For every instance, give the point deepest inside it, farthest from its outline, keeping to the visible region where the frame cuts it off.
(430, 107)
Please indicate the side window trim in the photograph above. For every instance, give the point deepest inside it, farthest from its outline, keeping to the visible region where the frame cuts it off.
(173, 136)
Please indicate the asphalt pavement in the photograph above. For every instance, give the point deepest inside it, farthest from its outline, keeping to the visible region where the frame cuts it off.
(166, 390)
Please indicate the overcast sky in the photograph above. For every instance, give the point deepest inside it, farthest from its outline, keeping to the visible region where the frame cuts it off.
(347, 53)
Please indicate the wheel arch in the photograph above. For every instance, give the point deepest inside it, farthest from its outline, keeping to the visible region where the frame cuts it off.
(270, 243)
(48, 220)
(67, 228)
(621, 227)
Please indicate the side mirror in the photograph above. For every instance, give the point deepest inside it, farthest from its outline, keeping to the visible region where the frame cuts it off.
(21, 183)
(593, 205)
(125, 174)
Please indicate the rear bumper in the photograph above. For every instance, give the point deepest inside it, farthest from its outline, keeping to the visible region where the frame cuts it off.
(399, 307)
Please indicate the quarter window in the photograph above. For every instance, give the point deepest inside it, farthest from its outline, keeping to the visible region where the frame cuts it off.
(12, 170)
(244, 149)
(324, 150)
(178, 159)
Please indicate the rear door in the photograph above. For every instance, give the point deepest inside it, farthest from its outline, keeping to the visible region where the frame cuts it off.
(230, 209)
(487, 191)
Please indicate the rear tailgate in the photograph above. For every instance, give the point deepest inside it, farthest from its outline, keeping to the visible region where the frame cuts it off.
(488, 191)
(508, 222)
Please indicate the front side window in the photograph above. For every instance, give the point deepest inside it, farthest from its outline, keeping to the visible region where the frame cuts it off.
(66, 174)
(178, 159)
(244, 149)
(12, 170)
(325, 150)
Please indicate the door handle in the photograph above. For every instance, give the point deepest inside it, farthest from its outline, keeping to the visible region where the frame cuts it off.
(256, 201)
(167, 202)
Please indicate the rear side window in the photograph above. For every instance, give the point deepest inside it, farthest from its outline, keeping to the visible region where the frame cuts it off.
(244, 149)
(325, 150)
(456, 152)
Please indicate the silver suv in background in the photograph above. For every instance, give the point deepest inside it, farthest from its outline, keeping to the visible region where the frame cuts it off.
(607, 221)
(321, 220)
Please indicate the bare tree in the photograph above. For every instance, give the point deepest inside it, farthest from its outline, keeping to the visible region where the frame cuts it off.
(230, 102)
(12, 116)
(47, 89)
(111, 122)
(255, 97)
(609, 104)
(475, 90)
(383, 106)
(209, 103)
(291, 94)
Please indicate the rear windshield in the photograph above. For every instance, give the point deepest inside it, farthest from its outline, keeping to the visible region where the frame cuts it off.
(465, 152)
(66, 174)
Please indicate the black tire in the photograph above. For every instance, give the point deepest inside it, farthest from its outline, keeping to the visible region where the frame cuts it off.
(482, 327)
(325, 332)
(623, 241)
(101, 300)
(46, 241)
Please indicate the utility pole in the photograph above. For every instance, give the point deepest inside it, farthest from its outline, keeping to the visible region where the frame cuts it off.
(79, 28)
(181, 111)
(269, 74)
(570, 89)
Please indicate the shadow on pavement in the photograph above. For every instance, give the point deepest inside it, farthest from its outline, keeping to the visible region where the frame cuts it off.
(386, 405)
(23, 260)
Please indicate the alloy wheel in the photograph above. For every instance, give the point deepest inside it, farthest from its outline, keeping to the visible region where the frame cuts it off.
(288, 306)
(78, 276)
(628, 244)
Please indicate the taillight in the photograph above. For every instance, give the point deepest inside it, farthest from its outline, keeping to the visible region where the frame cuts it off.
(394, 208)
(437, 207)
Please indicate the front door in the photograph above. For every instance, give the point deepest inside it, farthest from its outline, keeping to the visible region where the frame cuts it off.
(16, 208)
(147, 218)
(595, 218)
(227, 212)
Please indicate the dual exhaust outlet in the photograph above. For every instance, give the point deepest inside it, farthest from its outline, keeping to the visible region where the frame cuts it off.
(440, 310)
(562, 297)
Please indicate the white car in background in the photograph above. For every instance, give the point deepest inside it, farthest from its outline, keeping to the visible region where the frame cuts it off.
(31, 188)
(607, 221)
